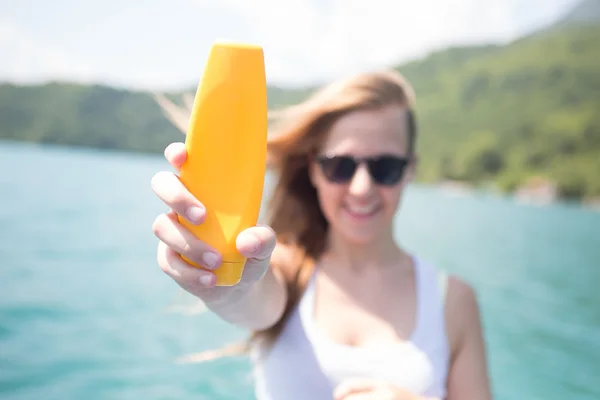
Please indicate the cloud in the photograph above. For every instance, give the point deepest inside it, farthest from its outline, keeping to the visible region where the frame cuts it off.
(287, 30)
(26, 59)
(307, 40)
(164, 44)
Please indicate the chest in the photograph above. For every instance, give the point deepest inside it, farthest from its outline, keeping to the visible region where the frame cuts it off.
(403, 365)
(368, 345)
(382, 316)
(369, 337)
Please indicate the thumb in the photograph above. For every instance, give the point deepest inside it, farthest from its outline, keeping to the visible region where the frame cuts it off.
(256, 244)
(176, 154)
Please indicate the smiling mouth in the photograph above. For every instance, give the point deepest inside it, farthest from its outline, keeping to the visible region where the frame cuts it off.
(362, 211)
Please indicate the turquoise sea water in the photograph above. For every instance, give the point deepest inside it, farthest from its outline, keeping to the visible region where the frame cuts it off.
(86, 313)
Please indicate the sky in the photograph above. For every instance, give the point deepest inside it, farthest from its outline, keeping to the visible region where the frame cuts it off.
(163, 44)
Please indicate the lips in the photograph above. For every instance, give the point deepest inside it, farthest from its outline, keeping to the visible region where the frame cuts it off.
(362, 211)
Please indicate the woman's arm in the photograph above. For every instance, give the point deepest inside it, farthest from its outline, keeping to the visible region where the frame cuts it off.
(468, 377)
(258, 300)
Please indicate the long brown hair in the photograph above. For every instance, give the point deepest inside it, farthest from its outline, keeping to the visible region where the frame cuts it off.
(294, 212)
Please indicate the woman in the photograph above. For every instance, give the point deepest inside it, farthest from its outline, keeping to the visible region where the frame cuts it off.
(337, 308)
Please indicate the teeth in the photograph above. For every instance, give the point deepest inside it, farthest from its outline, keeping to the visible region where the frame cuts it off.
(362, 209)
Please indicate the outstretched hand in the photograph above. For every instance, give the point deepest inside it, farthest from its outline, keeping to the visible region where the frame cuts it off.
(256, 243)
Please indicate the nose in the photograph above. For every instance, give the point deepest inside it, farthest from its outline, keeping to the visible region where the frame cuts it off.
(361, 183)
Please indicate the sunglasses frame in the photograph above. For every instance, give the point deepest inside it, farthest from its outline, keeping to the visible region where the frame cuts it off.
(405, 161)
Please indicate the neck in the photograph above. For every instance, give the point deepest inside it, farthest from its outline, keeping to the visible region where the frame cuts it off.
(363, 256)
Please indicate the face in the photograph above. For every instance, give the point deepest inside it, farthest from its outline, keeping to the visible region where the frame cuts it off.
(359, 208)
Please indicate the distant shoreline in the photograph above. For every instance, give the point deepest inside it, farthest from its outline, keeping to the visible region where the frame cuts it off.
(456, 188)
(496, 117)
(537, 195)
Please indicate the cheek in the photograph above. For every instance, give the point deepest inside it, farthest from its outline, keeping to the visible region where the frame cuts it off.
(392, 197)
(330, 197)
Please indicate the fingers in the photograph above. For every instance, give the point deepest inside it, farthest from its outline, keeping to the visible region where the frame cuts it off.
(168, 229)
(170, 190)
(256, 244)
(187, 276)
(176, 154)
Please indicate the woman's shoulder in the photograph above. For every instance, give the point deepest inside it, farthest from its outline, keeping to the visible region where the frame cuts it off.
(458, 295)
(466, 340)
(461, 310)
(461, 294)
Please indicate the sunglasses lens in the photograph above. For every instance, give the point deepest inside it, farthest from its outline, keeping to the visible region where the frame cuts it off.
(338, 169)
(387, 170)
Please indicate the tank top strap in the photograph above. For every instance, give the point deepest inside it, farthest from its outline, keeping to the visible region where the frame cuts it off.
(431, 286)
(307, 305)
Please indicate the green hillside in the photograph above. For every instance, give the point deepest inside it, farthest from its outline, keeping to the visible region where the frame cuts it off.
(497, 114)
(508, 113)
(585, 12)
(76, 115)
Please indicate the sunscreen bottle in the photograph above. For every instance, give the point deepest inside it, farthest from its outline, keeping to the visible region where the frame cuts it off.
(226, 147)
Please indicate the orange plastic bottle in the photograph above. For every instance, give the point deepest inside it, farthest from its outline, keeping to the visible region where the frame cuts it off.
(226, 147)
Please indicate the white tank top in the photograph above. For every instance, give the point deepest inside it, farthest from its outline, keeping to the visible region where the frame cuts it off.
(304, 363)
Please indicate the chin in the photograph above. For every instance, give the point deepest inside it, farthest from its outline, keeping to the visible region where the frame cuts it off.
(362, 236)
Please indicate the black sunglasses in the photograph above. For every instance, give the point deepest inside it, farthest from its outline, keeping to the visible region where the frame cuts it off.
(385, 169)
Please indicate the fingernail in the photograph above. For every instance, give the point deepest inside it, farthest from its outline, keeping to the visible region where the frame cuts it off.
(210, 259)
(206, 280)
(195, 214)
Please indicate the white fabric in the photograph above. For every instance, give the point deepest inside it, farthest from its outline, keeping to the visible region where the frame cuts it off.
(305, 364)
